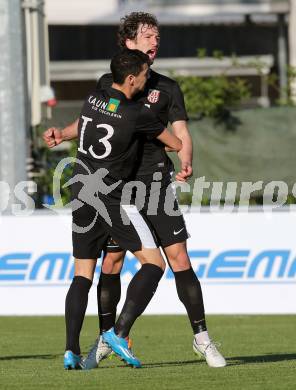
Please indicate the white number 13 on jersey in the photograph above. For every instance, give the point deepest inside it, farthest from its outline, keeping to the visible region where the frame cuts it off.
(103, 140)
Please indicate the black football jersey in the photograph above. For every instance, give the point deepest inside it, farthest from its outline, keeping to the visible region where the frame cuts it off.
(108, 132)
(163, 96)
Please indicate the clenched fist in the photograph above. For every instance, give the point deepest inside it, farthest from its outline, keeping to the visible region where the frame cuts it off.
(52, 137)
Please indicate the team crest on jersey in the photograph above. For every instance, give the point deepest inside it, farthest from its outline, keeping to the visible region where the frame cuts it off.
(153, 95)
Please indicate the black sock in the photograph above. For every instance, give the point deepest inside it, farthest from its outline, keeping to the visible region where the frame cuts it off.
(139, 293)
(108, 295)
(190, 294)
(76, 303)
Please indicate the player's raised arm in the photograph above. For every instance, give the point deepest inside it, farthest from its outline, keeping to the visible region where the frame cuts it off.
(53, 136)
(170, 140)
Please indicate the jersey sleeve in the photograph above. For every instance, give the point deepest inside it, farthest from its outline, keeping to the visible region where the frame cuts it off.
(177, 110)
(148, 123)
(104, 82)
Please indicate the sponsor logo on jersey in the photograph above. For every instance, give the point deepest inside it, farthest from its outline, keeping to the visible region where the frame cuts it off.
(113, 105)
(153, 95)
(97, 103)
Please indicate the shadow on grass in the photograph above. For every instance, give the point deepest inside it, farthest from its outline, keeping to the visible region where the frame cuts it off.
(268, 358)
(231, 361)
(42, 356)
(169, 364)
(20, 357)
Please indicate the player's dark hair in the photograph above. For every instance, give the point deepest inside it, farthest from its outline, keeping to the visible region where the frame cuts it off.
(127, 62)
(129, 25)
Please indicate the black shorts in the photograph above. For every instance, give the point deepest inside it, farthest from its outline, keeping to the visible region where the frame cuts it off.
(90, 229)
(161, 210)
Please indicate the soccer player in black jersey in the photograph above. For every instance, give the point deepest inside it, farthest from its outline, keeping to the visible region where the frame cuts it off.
(163, 96)
(109, 125)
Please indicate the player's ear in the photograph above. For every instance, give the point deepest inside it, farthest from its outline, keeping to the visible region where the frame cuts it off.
(131, 79)
(130, 44)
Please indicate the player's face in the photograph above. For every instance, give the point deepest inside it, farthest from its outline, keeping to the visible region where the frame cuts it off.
(140, 80)
(147, 40)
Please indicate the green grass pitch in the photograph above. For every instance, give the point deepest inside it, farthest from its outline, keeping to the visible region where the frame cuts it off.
(260, 351)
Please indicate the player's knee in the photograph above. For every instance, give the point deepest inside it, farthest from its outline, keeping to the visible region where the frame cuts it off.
(85, 268)
(179, 260)
(151, 256)
(113, 262)
(161, 264)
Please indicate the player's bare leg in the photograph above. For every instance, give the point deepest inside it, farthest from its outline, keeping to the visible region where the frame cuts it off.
(113, 262)
(177, 256)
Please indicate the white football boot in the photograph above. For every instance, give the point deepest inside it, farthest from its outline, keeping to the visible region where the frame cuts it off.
(209, 352)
